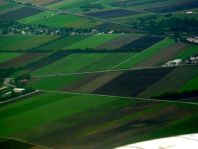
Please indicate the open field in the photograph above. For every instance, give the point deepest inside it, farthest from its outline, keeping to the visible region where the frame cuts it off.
(146, 54)
(93, 41)
(65, 20)
(19, 13)
(7, 56)
(97, 117)
(8, 6)
(83, 63)
(154, 81)
(11, 43)
(113, 13)
(174, 81)
(21, 60)
(177, 7)
(97, 74)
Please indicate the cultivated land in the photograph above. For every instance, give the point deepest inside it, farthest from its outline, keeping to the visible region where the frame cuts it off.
(97, 74)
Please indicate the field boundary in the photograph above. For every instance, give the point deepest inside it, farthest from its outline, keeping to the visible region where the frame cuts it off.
(135, 98)
(110, 70)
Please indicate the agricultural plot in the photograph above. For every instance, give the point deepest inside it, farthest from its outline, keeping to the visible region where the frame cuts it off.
(11, 43)
(7, 56)
(131, 83)
(19, 13)
(113, 13)
(83, 63)
(118, 43)
(142, 43)
(8, 6)
(65, 20)
(37, 17)
(177, 7)
(191, 50)
(62, 42)
(39, 2)
(47, 60)
(146, 54)
(91, 123)
(21, 60)
(174, 81)
(93, 41)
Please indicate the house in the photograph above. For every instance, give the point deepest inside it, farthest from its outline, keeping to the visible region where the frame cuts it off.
(175, 62)
(18, 90)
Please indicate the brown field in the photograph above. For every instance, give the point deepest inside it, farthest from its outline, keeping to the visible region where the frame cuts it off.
(172, 82)
(22, 60)
(119, 42)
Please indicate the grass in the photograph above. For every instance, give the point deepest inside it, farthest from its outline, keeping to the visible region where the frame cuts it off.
(23, 42)
(7, 56)
(65, 20)
(146, 54)
(93, 41)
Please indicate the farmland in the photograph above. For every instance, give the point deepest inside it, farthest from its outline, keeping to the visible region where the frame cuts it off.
(91, 108)
(91, 74)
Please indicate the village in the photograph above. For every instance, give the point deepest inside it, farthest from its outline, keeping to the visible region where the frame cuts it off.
(15, 28)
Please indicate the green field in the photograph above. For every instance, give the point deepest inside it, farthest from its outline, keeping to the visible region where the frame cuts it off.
(191, 50)
(83, 63)
(65, 20)
(146, 54)
(8, 6)
(62, 42)
(23, 42)
(38, 17)
(93, 41)
(90, 116)
(7, 56)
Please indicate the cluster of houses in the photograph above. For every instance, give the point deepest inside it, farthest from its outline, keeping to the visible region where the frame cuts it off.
(8, 92)
(193, 39)
(12, 28)
(178, 62)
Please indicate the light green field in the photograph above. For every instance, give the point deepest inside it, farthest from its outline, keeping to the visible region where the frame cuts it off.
(66, 20)
(38, 17)
(146, 54)
(83, 63)
(93, 41)
(23, 42)
(7, 56)
(191, 50)
(62, 42)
